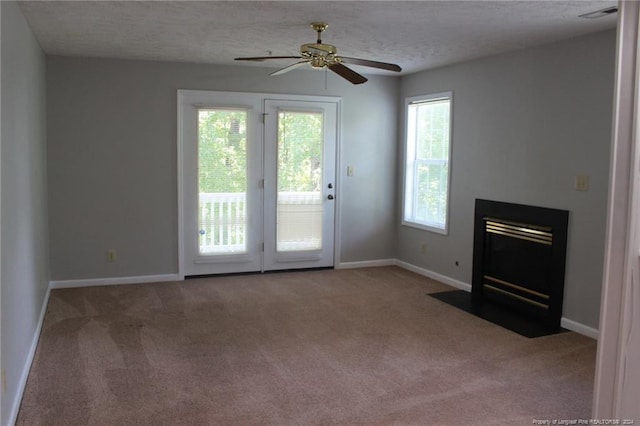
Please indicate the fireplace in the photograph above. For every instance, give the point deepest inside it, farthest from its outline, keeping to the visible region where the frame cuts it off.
(519, 255)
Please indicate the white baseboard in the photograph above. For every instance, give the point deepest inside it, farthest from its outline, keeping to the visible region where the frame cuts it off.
(579, 328)
(366, 264)
(22, 382)
(93, 282)
(564, 322)
(434, 275)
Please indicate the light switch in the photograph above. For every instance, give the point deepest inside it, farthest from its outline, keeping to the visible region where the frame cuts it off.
(349, 170)
(582, 183)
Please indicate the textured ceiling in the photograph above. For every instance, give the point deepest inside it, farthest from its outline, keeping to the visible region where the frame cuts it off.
(417, 35)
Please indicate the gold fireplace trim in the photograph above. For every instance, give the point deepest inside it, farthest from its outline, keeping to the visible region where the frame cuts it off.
(524, 299)
(533, 233)
(517, 287)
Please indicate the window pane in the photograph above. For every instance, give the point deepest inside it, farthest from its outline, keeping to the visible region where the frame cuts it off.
(299, 211)
(433, 130)
(427, 161)
(431, 195)
(222, 181)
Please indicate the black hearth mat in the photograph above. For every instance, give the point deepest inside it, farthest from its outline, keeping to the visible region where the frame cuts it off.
(497, 314)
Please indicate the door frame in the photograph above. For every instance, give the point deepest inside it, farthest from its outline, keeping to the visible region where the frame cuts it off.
(186, 97)
(618, 346)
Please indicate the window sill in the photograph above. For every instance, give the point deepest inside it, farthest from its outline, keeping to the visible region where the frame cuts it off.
(423, 227)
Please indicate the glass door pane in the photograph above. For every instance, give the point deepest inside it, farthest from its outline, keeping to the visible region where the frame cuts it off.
(299, 181)
(222, 181)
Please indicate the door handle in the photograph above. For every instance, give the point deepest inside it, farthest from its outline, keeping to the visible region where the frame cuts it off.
(330, 197)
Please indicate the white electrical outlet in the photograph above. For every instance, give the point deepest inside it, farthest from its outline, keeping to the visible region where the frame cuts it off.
(349, 170)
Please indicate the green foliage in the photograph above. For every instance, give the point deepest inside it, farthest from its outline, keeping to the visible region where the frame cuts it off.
(432, 194)
(222, 151)
(299, 151)
(432, 138)
(433, 130)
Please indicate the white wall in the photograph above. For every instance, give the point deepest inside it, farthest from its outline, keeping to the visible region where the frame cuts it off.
(24, 257)
(524, 125)
(112, 160)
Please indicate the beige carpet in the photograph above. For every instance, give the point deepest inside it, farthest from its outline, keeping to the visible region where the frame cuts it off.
(363, 346)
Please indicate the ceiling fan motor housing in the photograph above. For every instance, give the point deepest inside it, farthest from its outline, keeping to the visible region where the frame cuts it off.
(320, 55)
(316, 48)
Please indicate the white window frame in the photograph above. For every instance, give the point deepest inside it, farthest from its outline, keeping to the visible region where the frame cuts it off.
(409, 165)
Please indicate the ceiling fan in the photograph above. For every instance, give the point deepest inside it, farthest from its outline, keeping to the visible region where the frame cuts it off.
(320, 55)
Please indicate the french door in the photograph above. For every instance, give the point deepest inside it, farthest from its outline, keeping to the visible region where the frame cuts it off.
(299, 184)
(257, 182)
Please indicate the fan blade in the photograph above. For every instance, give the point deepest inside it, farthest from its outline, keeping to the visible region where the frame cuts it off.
(262, 58)
(372, 64)
(289, 68)
(347, 73)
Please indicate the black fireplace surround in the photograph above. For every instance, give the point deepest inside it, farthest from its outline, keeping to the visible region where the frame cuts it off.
(519, 255)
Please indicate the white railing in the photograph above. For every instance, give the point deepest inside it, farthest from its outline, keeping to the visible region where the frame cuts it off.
(222, 220)
(299, 223)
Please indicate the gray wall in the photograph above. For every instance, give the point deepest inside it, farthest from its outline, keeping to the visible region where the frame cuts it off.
(524, 124)
(112, 160)
(24, 257)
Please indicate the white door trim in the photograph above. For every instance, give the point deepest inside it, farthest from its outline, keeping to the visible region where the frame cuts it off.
(615, 389)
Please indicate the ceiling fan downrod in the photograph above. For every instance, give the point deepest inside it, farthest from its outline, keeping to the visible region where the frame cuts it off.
(319, 27)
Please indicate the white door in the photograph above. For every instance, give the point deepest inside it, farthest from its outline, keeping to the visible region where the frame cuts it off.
(257, 182)
(221, 149)
(299, 185)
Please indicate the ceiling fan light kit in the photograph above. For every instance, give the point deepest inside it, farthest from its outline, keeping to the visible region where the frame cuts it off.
(320, 55)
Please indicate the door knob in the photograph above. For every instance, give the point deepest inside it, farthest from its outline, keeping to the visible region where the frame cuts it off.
(330, 186)
(330, 197)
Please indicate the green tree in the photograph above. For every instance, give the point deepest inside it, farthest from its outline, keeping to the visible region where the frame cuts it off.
(433, 152)
(299, 151)
(222, 151)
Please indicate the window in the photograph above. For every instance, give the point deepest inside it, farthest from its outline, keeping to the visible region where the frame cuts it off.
(427, 165)
(222, 181)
